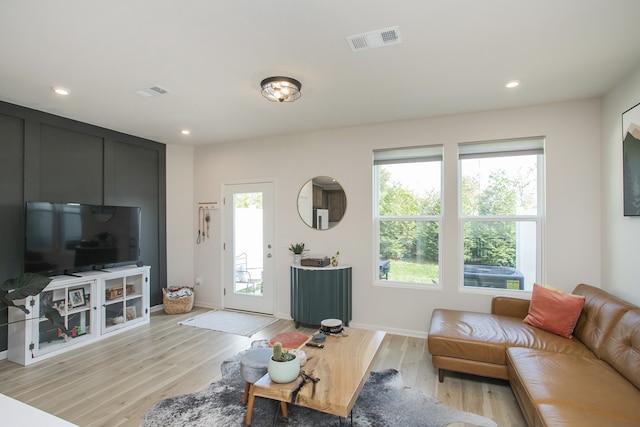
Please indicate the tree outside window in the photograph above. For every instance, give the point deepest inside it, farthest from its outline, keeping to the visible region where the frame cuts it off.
(408, 217)
(500, 198)
(500, 214)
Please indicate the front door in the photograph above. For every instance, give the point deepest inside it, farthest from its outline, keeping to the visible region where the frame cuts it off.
(248, 247)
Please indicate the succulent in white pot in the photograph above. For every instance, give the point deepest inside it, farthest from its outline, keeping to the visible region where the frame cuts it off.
(297, 249)
(283, 367)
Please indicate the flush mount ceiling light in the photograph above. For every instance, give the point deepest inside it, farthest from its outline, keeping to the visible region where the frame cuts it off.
(513, 83)
(281, 89)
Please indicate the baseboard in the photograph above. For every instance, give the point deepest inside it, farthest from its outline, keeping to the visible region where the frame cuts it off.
(283, 316)
(287, 316)
(155, 308)
(207, 305)
(3, 354)
(394, 331)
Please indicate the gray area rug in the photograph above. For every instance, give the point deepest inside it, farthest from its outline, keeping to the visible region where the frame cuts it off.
(384, 401)
(230, 322)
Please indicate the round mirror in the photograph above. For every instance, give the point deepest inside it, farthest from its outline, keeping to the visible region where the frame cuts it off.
(322, 202)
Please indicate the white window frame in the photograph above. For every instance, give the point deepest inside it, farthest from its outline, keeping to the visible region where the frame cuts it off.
(509, 147)
(406, 155)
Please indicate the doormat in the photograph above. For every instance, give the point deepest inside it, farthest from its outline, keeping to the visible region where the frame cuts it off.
(384, 401)
(230, 322)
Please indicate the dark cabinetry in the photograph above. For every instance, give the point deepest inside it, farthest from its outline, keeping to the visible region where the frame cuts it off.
(334, 201)
(337, 203)
(318, 197)
(320, 293)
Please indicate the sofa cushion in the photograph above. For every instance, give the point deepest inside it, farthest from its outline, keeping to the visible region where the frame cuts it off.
(554, 311)
(484, 337)
(600, 314)
(565, 380)
(562, 416)
(509, 306)
(621, 349)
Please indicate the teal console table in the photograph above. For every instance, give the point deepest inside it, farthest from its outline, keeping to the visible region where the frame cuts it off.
(319, 293)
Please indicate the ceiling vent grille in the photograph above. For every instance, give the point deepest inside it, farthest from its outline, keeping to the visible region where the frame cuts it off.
(374, 39)
(152, 91)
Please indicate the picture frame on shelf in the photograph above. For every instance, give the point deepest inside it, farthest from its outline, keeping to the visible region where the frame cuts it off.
(77, 298)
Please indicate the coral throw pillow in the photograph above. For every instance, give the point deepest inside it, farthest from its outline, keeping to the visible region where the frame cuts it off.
(554, 311)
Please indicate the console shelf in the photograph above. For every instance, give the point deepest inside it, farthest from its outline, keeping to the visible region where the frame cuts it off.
(92, 304)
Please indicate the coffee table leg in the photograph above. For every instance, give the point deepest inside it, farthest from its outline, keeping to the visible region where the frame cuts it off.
(283, 407)
(252, 398)
(245, 395)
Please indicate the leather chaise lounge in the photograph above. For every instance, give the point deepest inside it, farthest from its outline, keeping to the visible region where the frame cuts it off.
(590, 379)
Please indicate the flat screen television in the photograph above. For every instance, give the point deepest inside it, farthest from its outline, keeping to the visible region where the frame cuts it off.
(63, 238)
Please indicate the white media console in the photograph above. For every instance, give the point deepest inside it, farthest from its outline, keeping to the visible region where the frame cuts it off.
(93, 305)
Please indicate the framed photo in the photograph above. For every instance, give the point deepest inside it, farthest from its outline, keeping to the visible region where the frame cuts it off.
(631, 160)
(131, 313)
(76, 297)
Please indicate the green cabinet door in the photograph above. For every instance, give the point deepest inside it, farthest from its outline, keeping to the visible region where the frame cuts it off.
(320, 293)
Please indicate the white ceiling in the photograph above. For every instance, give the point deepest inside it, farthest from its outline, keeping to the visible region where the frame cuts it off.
(455, 57)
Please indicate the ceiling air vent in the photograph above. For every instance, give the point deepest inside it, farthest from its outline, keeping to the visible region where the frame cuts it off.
(152, 91)
(373, 39)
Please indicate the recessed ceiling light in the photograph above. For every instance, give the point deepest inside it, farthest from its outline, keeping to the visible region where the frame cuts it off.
(513, 83)
(61, 91)
(185, 131)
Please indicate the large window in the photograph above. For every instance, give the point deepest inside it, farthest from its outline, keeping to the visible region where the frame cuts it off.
(501, 212)
(408, 219)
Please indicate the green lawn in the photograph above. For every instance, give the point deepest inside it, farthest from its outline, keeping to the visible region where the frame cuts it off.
(412, 272)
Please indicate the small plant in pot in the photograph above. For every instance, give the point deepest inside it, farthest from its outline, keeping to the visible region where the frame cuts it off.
(297, 249)
(284, 366)
(335, 258)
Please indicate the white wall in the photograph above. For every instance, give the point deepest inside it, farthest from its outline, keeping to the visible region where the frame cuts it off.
(180, 201)
(573, 174)
(620, 234)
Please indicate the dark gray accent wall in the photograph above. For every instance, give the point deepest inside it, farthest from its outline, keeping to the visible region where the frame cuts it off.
(49, 158)
(134, 172)
(11, 183)
(75, 160)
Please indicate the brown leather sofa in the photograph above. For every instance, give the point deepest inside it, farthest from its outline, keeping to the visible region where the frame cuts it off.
(592, 379)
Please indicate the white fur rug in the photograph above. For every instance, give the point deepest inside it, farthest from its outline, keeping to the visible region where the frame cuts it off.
(385, 401)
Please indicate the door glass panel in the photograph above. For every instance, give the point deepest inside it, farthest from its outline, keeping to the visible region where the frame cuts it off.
(248, 243)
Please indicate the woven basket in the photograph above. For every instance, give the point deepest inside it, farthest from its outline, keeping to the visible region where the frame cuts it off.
(178, 305)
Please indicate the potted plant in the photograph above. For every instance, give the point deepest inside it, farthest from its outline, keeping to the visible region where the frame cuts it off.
(334, 259)
(28, 285)
(283, 366)
(297, 249)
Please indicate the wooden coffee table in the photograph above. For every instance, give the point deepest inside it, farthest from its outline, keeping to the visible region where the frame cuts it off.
(343, 366)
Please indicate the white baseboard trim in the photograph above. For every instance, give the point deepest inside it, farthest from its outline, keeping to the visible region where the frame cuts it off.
(3, 354)
(208, 305)
(287, 316)
(284, 316)
(394, 331)
(155, 308)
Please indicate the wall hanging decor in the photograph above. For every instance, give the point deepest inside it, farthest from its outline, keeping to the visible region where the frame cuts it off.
(631, 160)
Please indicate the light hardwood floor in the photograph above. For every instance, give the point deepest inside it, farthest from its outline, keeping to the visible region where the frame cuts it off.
(116, 380)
